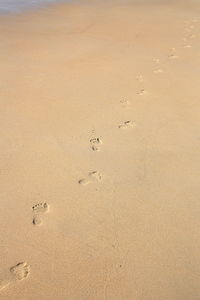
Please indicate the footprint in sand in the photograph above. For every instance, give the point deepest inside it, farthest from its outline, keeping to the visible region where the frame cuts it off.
(192, 36)
(191, 27)
(17, 273)
(142, 92)
(95, 143)
(187, 46)
(124, 103)
(126, 124)
(157, 71)
(84, 181)
(156, 60)
(38, 210)
(95, 175)
(20, 271)
(92, 176)
(140, 78)
(173, 56)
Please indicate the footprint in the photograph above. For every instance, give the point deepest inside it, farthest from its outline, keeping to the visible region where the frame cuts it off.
(173, 56)
(17, 273)
(140, 78)
(95, 142)
(158, 71)
(94, 175)
(39, 209)
(156, 60)
(84, 181)
(191, 27)
(20, 271)
(192, 36)
(187, 46)
(142, 92)
(125, 103)
(126, 124)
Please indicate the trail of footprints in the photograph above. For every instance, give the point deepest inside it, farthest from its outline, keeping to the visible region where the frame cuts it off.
(21, 270)
(187, 39)
(96, 142)
(189, 34)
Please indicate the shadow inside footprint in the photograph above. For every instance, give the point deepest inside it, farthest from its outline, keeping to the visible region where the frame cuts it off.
(84, 181)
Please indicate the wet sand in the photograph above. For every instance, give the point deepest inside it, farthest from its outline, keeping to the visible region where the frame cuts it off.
(99, 155)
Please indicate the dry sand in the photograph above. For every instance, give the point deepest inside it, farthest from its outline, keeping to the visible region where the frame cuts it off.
(99, 152)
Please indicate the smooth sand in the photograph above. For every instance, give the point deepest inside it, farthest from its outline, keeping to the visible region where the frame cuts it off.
(100, 146)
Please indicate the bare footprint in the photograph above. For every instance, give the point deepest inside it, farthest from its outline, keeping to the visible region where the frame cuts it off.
(125, 103)
(94, 175)
(157, 71)
(39, 209)
(95, 143)
(142, 92)
(84, 181)
(173, 56)
(187, 46)
(192, 36)
(140, 78)
(17, 273)
(156, 60)
(20, 271)
(126, 124)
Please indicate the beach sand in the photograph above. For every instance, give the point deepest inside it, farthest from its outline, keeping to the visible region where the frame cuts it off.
(99, 152)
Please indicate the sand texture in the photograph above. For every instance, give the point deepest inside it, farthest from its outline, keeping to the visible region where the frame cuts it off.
(100, 152)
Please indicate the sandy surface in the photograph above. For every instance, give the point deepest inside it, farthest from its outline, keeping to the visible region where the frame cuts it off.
(99, 152)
